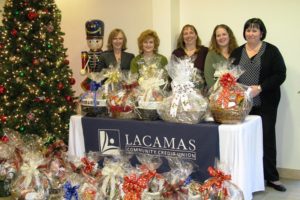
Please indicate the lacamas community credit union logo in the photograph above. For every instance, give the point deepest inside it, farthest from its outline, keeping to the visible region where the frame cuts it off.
(109, 141)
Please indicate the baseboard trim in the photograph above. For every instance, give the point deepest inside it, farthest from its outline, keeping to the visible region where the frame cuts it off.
(289, 173)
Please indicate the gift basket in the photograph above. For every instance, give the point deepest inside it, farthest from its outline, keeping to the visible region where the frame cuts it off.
(229, 102)
(113, 171)
(176, 180)
(154, 181)
(186, 103)
(7, 169)
(31, 183)
(93, 102)
(152, 82)
(219, 187)
(121, 103)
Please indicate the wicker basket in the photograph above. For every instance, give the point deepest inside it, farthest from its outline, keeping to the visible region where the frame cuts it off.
(229, 116)
(122, 115)
(146, 114)
(94, 111)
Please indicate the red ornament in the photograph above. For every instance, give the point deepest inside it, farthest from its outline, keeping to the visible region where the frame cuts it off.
(4, 139)
(72, 81)
(32, 15)
(46, 11)
(1, 46)
(2, 89)
(35, 61)
(66, 62)
(48, 100)
(69, 98)
(3, 118)
(50, 28)
(14, 32)
(60, 86)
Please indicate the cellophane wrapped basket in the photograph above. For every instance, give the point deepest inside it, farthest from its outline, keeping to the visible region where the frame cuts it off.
(93, 102)
(121, 103)
(186, 103)
(229, 102)
(152, 82)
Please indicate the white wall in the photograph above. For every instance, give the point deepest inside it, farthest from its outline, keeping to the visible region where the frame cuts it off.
(168, 16)
(283, 30)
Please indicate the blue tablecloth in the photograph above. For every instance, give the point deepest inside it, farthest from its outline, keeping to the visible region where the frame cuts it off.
(197, 142)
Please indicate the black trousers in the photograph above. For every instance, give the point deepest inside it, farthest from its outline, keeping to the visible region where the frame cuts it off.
(269, 142)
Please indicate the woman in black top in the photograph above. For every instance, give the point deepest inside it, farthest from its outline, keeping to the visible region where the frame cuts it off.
(115, 54)
(265, 71)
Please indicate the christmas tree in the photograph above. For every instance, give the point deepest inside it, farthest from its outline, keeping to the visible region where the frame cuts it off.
(36, 95)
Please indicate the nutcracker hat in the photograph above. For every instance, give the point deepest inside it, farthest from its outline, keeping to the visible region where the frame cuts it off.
(94, 29)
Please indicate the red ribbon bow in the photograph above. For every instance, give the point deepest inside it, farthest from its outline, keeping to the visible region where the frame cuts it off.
(88, 165)
(175, 190)
(218, 177)
(133, 187)
(227, 80)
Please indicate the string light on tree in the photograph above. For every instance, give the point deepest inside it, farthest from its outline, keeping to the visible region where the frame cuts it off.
(31, 82)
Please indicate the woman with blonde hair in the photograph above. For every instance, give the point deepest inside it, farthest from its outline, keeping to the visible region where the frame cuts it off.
(116, 46)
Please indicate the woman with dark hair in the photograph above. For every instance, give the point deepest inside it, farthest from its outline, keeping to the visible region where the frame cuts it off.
(265, 71)
(222, 43)
(189, 45)
(116, 46)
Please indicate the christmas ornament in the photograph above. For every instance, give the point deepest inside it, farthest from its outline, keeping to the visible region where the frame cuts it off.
(66, 62)
(2, 89)
(14, 32)
(69, 98)
(32, 15)
(72, 81)
(3, 118)
(35, 61)
(22, 129)
(48, 100)
(30, 116)
(60, 86)
(21, 74)
(50, 28)
(37, 99)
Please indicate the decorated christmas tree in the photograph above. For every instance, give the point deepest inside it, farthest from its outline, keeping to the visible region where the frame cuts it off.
(36, 95)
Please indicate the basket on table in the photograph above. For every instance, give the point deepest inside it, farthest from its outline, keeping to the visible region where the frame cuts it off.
(230, 103)
(147, 110)
(89, 109)
(229, 116)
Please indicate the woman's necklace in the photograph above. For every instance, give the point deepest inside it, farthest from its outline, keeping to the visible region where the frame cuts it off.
(189, 52)
(253, 50)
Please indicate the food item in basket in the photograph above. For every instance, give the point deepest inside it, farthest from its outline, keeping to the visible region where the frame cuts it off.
(230, 103)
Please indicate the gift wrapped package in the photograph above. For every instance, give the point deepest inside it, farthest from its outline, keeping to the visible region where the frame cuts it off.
(185, 104)
(93, 102)
(121, 102)
(229, 102)
(154, 180)
(31, 183)
(152, 83)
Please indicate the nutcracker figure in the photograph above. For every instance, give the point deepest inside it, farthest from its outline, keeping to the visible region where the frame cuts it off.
(92, 62)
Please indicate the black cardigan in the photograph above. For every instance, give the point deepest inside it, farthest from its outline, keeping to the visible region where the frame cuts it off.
(272, 75)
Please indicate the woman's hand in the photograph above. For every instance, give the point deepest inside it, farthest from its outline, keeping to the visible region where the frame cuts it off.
(255, 90)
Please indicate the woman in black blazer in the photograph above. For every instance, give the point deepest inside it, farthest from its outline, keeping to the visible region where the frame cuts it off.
(115, 54)
(265, 71)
